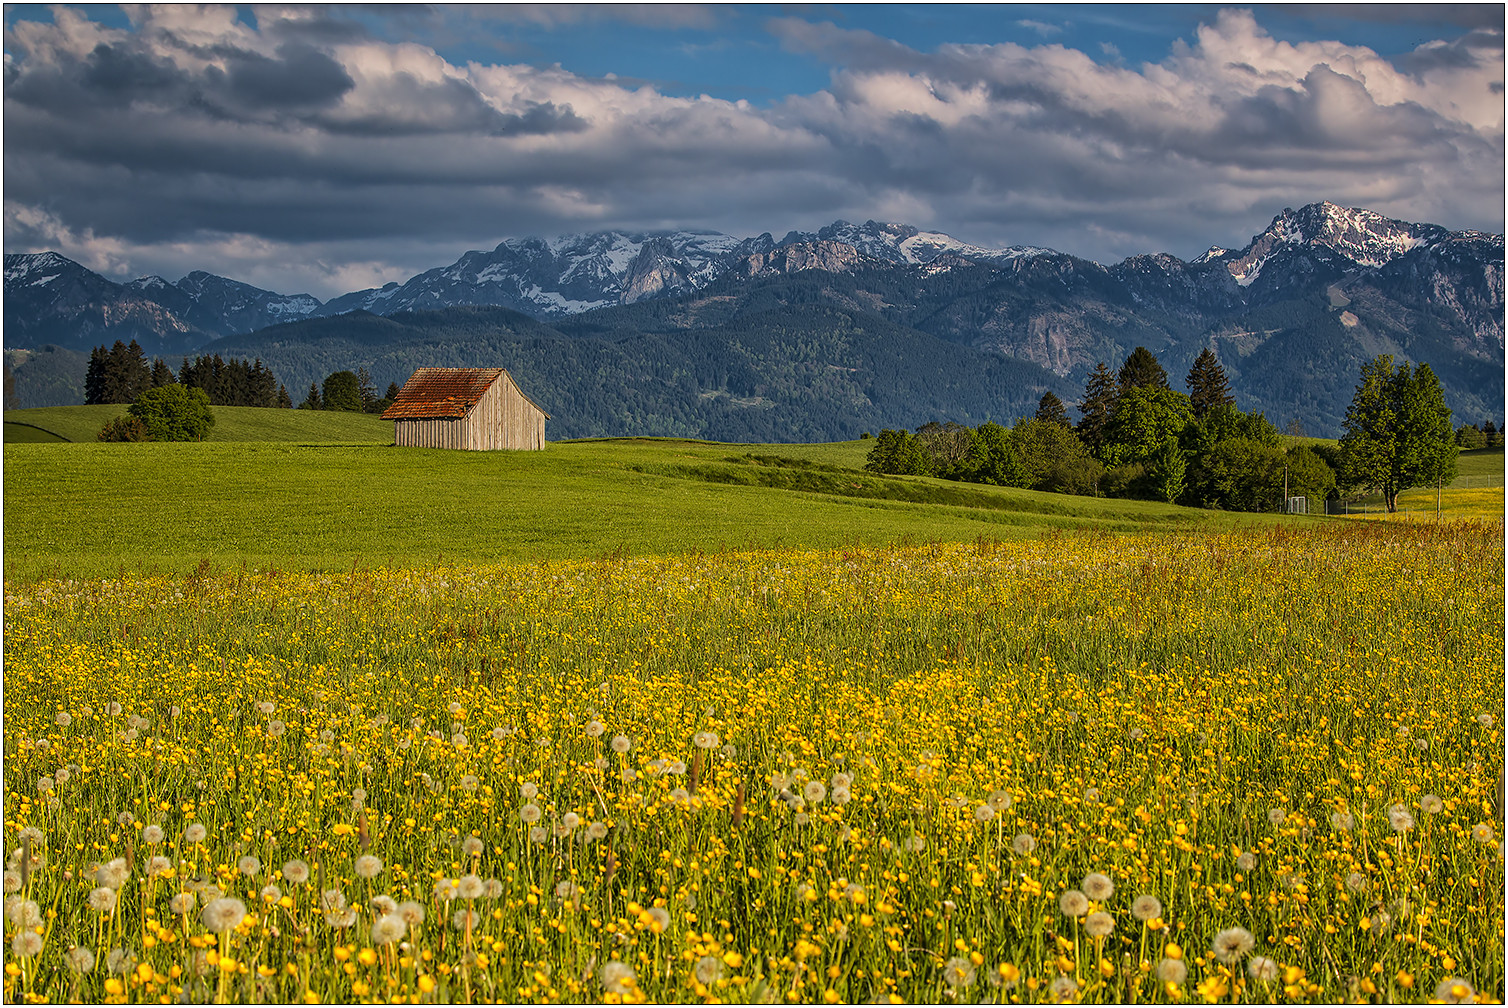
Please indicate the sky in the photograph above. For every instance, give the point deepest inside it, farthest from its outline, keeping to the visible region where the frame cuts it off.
(325, 149)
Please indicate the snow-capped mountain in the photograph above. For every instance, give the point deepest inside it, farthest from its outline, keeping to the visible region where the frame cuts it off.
(1332, 233)
(551, 277)
(902, 243)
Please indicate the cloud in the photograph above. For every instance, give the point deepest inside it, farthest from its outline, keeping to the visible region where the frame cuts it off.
(301, 141)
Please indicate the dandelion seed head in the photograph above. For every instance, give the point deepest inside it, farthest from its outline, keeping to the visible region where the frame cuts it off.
(1232, 943)
(1146, 907)
(223, 914)
(1073, 903)
(1098, 887)
(1262, 969)
(1099, 924)
(368, 866)
(958, 972)
(1173, 971)
(296, 872)
(388, 929)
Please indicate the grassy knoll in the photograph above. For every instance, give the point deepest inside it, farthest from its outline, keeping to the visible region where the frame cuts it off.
(232, 423)
(89, 510)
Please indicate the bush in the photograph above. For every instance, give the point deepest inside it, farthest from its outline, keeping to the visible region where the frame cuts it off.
(124, 428)
(174, 413)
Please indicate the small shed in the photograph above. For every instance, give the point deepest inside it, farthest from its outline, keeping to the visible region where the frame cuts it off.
(477, 409)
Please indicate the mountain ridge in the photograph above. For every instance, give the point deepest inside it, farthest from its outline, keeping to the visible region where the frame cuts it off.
(1319, 289)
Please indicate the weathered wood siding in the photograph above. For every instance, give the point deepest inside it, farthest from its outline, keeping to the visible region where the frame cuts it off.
(502, 418)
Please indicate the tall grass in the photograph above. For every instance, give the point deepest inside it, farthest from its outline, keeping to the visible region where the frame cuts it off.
(838, 775)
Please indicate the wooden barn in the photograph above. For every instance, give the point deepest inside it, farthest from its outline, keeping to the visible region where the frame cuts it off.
(477, 409)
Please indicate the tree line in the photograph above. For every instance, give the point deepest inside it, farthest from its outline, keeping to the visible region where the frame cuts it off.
(351, 391)
(1137, 437)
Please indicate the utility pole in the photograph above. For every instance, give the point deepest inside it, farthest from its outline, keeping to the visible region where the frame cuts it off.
(1285, 487)
(1438, 478)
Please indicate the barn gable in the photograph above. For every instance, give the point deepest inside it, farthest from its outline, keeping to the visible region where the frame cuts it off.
(479, 409)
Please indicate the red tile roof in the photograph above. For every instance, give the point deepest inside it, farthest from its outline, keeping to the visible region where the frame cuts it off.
(443, 393)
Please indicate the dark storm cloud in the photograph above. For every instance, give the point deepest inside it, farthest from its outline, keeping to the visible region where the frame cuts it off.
(299, 77)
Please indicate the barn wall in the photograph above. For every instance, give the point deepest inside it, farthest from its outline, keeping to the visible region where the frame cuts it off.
(502, 418)
(429, 433)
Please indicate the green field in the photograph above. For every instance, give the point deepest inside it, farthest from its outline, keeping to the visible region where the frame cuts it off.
(92, 510)
(232, 423)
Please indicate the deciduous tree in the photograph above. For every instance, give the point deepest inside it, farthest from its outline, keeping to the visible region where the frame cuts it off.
(174, 413)
(1397, 430)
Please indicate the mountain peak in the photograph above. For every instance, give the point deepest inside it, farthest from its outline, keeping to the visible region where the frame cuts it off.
(1360, 237)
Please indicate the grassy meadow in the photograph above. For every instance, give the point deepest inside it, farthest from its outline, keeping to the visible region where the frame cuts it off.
(650, 720)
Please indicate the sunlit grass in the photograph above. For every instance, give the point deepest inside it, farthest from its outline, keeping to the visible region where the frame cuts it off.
(845, 775)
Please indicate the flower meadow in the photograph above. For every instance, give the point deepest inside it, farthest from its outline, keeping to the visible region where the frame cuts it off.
(1249, 767)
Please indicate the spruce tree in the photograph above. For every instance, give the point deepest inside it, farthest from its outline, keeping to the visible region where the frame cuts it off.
(1097, 406)
(1050, 410)
(1141, 370)
(284, 400)
(161, 373)
(312, 400)
(1207, 384)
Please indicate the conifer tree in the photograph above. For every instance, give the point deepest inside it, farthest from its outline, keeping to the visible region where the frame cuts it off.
(1050, 410)
(285, 401)
(312, 400)
(1097, 406)
(1141, 370)
(161, 373)
(1207, 384)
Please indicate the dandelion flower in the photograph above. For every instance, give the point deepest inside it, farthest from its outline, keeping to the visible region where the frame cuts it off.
(195, 833)
(958, 972)
(1233, 943)
(1023, 844)
(1342, 821)
(80, 960)
(1073, 903)
(1262, 969)
(1099, 924)
(708, 970)
(620, 745)
(249, 866)
(368, 866)
(26, 944)
(1173, 971)
(1400, 819)
(1063, 988)
(1098, 887)
(296, 872)
(223, 914)
(618, 978)
(1146, 907)
(1431, 804)
(1454, 990)
(388, 929)
(112, 874)
(102, 899)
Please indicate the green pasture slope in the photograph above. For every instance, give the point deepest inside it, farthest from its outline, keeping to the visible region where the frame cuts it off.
(92, 510)
(51, 424)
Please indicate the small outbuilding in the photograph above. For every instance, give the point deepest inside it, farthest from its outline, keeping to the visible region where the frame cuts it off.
(477, 409)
